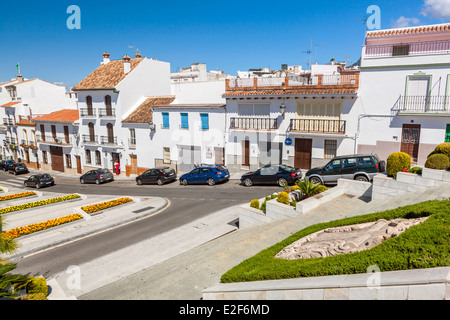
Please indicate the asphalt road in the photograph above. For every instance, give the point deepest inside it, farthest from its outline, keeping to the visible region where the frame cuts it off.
(187, 203)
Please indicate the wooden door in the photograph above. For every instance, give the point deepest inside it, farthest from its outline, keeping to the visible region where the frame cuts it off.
(246, 153)
(219, 154)
(410, 140)
(303, 150)
(133, 160)
(56, 154)
(78, 160)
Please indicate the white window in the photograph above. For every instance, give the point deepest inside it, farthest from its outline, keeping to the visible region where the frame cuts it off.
(166, 157)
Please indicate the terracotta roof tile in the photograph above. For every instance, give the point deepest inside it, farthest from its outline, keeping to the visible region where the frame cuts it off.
(11, 103)
(409, 31)
(106, 76)
(65, 115)
(303, 91)
(143, 113)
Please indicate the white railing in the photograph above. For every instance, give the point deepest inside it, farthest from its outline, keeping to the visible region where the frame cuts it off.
(241, 83)
(270, 82)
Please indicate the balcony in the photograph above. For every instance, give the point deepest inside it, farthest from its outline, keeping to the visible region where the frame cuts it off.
(408, 49)
(87, 113)
(9, 121)
(54, 140)
(348, 80)
(423, 105)
(107, 113)
(108, 141)
(318, 126)
(253, 123)
(88, 139)
(10, 141)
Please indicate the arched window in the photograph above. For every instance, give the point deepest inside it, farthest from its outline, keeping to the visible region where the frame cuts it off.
(91, 131)
(108, 105)
(90, 109)
(25, 137)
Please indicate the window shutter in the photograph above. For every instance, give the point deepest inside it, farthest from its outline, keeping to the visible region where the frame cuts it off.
(205, 121)
(184, 121)
(165, 116)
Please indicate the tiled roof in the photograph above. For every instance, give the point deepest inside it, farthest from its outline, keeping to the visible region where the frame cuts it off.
(65, 115)
(303, 91)
(11, 103)
(106, 76)
(409, 31)
(26, 122)
(143, 113)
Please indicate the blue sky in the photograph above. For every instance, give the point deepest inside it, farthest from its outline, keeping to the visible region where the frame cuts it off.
(226, 35)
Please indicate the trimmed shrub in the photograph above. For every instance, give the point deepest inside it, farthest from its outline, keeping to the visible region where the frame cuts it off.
(397, 161)
(443, 148)
(283, 197)
(295, 188)
(37, 285)
(437, 161)
(254, 203)
(321, 189)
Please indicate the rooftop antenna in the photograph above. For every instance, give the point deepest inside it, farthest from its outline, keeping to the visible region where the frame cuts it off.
(317, 45)
(309, 52)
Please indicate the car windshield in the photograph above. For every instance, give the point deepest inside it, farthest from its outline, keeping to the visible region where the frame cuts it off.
(20, 165)
(46, 176)
(221, 168)
(167, 170)
(287, 168)
(104, 171)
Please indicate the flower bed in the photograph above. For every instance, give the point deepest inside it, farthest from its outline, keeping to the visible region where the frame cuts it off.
(17, 195)
(35, 227)
(105, 205)
(38, 203)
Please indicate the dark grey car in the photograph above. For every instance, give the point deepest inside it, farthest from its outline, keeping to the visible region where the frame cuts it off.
(17, 168)
(97, 176)
(39, 180)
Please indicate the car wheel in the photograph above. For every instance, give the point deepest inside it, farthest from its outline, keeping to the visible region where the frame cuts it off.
(25, 184)
(211, 181)
(382, 166)
(248, 182)
(282, 182)
(37, 185)
(184, 182)
(139, 182)
(159, 182)
(82, 181)
(362, 178)
(97, 181)
(315, 180)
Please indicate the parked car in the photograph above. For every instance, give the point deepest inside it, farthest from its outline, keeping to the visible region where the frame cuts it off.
(4, 164)
(39, 180)
(17, 168)
(97, 176)
(159, 175)
(280, 174)
(361, 167)
(206, 174)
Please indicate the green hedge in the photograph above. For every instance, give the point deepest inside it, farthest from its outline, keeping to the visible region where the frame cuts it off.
(437, 161)
(425, 245)
(397, 161)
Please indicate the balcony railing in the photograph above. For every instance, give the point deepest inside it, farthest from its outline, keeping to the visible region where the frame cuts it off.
(423, 104)
(345, 80)
(111, 141)
(10, 140)
(318, 126)
(87, 113)
(9, 122)
(54, 140)
(88, 139)
(106, 113)
(408, 49)
(253, 123)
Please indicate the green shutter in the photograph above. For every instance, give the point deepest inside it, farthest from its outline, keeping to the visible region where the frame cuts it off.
(447, 133)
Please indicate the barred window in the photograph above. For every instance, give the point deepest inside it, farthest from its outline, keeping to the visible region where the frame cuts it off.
(68, 161)
(330, 149)
(88, 156)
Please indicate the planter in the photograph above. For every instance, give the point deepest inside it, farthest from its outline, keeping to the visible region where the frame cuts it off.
(98, 208)
(37, 206)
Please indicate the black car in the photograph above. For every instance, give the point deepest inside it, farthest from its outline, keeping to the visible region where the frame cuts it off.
(4, 164)
(17, 168)
(272, 174)
(360, 167)
(39, 180)
(158, 175)
(97, 176)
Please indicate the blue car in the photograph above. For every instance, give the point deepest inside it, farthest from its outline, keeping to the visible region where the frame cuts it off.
(205, 174)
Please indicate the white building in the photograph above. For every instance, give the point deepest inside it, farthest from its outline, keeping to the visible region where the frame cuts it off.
(106, 97)
(21, 100)
(301, 120)
(404, 91)
(197, 72)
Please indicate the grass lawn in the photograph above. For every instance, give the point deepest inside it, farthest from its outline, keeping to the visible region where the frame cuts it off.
(426, 245)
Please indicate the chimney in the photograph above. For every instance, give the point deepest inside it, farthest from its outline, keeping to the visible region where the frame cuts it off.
(19, 78)
(105, 57)
(126, 64)
(137, 54)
